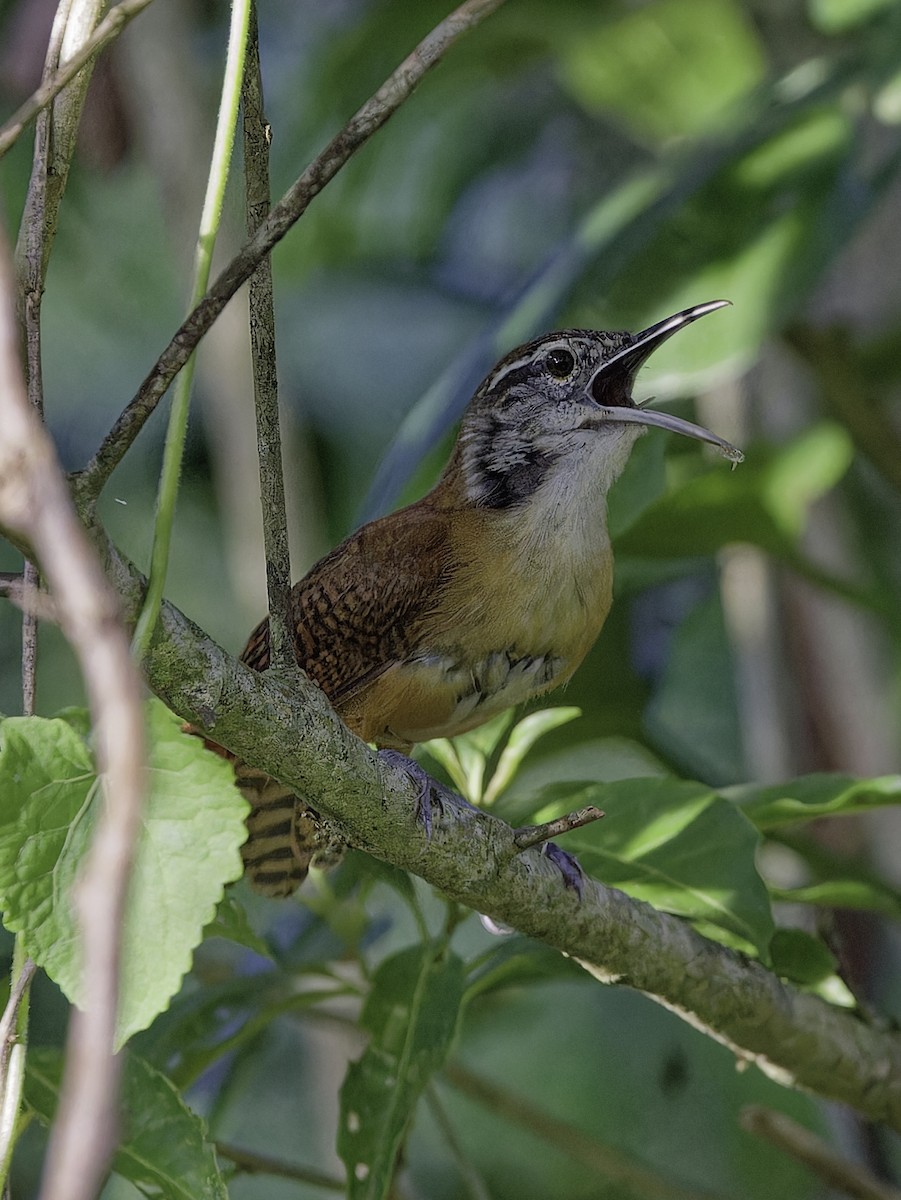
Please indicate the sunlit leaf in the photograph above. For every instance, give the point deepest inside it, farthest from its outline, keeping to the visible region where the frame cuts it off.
(834, 879)
(444, 752)
(887, 102)
(839, 16)
(762, 502)
(665, 69)
(522, 738)
(188, 849)
(411, 1015)
(677, 845)
(858, 894)
(803, 471)
(165, 1149)
(812, 796)
(602, 760)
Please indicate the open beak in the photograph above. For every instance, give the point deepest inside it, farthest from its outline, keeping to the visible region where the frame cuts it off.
(613, 381)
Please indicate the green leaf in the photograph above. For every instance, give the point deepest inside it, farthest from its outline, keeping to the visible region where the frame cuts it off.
(642, 482)
(522, 738)
(765, 503)
(809, 962)
(839, 16)
(803, 471)
(693, 716)
(444, 752)
(515, 961)
(231, 922)
(812, 796)
(801, 957)
(165, 1150)
(362, 869)
(859, 894)
(411, 1013)
(188, 849)
(665, 69)
(464, 758)
(204, 1025)
(835, 880)
(675, 844)
(602, 760)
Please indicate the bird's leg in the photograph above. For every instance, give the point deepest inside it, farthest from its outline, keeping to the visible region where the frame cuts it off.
(430, 791)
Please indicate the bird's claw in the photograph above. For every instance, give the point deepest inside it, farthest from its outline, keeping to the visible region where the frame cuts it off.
(429, 791)
(573, 875)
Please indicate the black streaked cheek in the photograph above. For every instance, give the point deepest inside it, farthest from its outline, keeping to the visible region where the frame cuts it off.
(509, 486)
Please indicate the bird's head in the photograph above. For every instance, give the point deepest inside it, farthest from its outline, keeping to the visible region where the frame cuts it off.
(563, 402)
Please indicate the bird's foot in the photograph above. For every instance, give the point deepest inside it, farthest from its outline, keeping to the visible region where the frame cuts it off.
(535, 835)
(430, 791)
(573, 875)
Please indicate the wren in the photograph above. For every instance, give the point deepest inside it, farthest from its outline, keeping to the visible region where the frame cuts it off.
(488, 591)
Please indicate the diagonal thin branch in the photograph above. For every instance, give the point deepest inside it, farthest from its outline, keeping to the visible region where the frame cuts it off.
(373, 114)
(248, 1162)
(612, 1165)
(798, 1141)
(108, 29)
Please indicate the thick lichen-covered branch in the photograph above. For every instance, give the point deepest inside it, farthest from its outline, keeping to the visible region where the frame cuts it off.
(285, 725)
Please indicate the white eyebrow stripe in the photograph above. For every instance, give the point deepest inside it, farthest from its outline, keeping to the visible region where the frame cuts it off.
(563, 343)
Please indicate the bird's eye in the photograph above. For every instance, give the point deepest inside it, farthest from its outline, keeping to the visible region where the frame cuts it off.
(560, 363)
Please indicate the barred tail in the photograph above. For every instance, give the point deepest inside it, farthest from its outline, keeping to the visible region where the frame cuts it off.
(278, 850)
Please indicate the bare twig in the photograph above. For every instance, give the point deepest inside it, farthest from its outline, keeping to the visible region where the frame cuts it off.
(110, 27)
(249, 1163)
(262, 347)
(534, 835)
(35, 505)
(30, 270)
(814, 1153)
(55, 136)
(10, 1016)
(611, 1164)
(13, 1040)
(30, 611)
(373, 114)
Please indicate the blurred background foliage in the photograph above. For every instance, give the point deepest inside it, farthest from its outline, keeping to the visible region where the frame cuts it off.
(574, 162)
